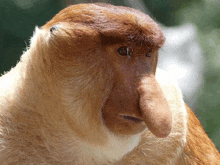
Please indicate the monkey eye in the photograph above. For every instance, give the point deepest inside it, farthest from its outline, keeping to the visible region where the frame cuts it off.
(124, 51)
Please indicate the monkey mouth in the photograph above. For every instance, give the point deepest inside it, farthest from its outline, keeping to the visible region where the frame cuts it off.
(131, 118)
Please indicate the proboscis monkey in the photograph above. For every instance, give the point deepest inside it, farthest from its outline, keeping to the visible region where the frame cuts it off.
(88, 92)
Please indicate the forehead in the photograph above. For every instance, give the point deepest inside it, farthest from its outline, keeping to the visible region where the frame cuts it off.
(113, 23)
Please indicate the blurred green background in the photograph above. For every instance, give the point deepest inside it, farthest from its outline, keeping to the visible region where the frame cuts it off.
(19, 18)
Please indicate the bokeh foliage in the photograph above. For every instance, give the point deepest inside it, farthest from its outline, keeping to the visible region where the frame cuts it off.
(19, 18)
(17, 24)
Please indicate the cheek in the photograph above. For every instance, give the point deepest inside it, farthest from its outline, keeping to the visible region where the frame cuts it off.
(122, 102)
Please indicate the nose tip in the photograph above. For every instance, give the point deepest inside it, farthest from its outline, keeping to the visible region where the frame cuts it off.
(154, 107)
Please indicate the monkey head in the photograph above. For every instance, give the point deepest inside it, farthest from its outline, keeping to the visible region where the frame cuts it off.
(106, 58)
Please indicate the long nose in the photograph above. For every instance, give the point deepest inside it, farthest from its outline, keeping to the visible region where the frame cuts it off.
(154, 107)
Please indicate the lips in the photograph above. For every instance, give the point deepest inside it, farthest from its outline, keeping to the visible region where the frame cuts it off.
(131, 118)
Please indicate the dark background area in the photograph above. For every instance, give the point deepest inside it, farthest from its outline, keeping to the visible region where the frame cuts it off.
(19, 18)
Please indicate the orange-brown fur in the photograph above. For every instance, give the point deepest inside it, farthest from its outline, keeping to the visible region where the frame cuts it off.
(68, 99)
(199, 148)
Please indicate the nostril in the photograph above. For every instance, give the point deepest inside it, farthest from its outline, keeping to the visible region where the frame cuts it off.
(131, 118)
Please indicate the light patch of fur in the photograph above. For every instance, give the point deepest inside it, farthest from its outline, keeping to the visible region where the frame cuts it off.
(34, 38)
(113, 151)
(174, 97)
(175, 100)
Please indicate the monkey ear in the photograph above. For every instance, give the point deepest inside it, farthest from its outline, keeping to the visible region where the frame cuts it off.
(154, 107)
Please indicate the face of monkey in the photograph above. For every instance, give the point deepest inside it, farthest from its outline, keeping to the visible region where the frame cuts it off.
(106, 57)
